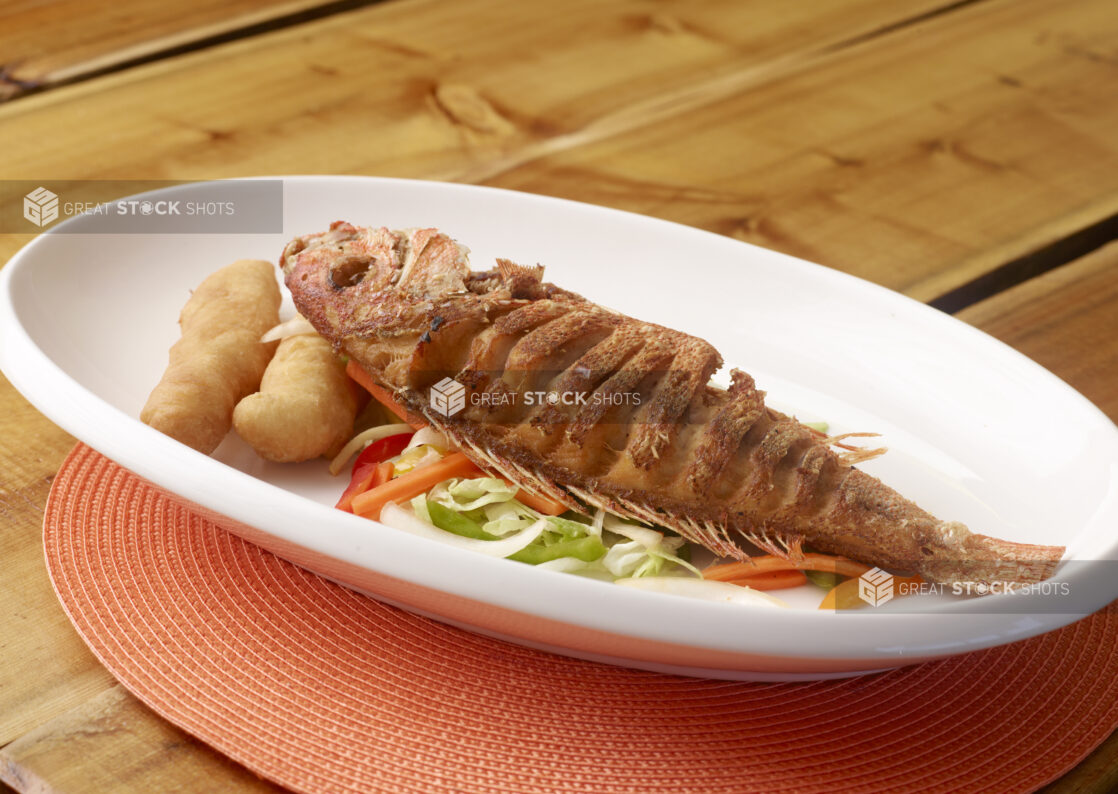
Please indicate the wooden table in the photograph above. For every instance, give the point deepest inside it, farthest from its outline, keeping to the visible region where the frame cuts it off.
(963, 153)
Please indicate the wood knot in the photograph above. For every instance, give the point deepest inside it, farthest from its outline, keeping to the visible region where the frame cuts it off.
(466, 107)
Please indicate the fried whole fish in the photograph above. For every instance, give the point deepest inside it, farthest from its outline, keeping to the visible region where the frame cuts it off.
(585, 405)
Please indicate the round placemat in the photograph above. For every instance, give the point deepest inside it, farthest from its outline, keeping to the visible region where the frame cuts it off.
(321, 689)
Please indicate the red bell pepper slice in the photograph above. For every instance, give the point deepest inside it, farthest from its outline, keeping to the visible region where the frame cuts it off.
(364, 468)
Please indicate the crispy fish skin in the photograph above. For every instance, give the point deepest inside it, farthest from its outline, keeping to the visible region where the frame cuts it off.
(715, 465)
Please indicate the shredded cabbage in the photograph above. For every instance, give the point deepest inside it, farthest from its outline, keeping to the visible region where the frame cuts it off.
(465, 495)
(604, 546)
(428, 435)
(646, 552)
(401, 518)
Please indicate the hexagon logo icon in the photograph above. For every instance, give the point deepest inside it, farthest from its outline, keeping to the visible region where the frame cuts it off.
(40, 206)
(448, 397)
(875, 587)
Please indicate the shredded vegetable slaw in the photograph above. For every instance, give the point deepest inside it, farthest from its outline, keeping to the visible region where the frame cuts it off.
(416, 481)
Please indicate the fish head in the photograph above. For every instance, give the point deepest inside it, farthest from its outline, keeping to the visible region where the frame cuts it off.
(421, 262)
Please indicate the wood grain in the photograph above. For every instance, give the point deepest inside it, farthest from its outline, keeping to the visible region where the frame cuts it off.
(114, 743)
(920, 160)
(464, 93)
(412, 87)
(916, 149)
(43, 42)
(46, 667)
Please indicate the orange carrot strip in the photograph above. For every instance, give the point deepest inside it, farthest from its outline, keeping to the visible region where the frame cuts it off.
(772, 580)
(358, 374)
(767, 562)
(414, 483)
(842, 596)
(383, 473)
(540, 503)
(380, 474)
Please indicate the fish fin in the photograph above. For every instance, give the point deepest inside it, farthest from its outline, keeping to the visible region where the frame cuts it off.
(778, 544)
(854, 455)
(518, 475)
(523, 281)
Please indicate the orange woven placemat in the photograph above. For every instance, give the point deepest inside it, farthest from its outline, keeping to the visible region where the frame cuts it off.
(321, 689)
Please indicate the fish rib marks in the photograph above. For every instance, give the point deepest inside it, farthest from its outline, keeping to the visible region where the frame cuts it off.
(723, 435)
(688, 372)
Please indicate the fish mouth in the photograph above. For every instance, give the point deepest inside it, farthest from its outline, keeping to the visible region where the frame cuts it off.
(345, 256)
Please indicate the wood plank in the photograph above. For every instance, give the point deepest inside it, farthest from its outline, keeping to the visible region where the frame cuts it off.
(65, 723)
(113, 742)
(46, 42)
(413, 89)
(1067, 321)
(920, 160)
(47, 669)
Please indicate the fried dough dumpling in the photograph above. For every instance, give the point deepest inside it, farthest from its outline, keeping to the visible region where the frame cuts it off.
(219, 358)
(305, 407)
